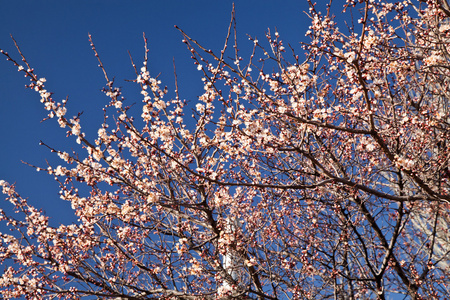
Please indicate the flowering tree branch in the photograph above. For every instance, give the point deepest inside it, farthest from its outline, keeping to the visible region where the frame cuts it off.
(291, 179)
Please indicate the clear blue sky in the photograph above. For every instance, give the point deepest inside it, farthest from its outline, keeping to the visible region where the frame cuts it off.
(53, 35)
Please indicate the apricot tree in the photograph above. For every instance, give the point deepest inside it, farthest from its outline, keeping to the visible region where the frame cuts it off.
(316, 176)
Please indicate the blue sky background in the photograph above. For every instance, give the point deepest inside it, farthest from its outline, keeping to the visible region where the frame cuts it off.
(53, 35)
